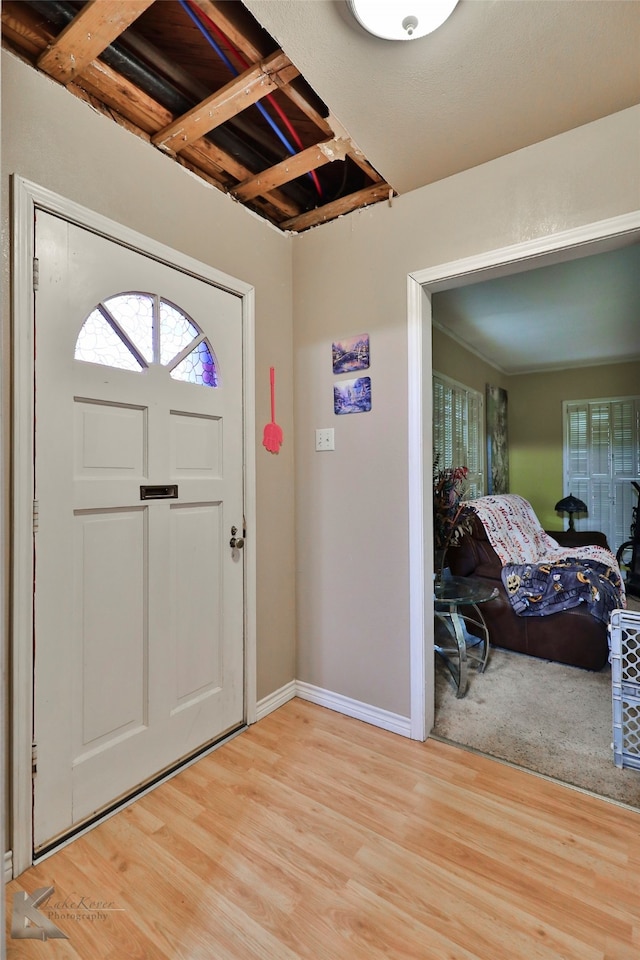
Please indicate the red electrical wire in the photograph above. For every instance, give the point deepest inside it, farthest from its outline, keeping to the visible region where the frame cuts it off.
(245, 64)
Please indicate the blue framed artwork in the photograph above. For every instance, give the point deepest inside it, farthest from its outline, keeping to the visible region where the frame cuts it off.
(352, 396)
(351, 354)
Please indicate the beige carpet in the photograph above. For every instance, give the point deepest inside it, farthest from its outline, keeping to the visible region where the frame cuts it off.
(546, 717)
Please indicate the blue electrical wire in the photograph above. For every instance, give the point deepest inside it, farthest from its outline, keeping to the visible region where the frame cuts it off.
(235, 73)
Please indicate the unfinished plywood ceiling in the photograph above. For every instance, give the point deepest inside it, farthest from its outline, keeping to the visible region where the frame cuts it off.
(205, 83)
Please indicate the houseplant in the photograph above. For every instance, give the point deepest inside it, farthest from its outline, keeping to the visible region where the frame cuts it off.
(451, 513)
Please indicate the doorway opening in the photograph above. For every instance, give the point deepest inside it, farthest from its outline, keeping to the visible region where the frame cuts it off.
(593, 238)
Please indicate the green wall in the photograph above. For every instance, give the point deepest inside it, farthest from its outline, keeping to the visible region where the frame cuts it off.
(535, 425)
(535, 414)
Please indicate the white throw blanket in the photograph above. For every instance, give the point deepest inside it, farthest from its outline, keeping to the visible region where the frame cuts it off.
(516, 535)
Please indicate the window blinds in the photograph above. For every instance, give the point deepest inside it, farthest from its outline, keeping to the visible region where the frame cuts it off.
(458, 430)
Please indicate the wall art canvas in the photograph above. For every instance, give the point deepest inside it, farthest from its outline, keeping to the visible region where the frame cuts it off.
(497, 441)
(352, 396)
(351, 354)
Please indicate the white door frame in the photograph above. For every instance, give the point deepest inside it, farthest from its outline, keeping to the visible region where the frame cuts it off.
(597, 237)
(27, 198)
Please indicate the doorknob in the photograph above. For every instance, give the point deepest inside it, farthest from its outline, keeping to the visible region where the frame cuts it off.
(236, 543)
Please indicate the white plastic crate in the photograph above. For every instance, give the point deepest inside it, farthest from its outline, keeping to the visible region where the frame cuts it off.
(624, 632)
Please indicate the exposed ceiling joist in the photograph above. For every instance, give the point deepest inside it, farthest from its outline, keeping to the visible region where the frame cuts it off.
(221, 169)
(310, 159)
(217, 13)
(251, 86)
(149, 66)
(363, 198)
(98, 24)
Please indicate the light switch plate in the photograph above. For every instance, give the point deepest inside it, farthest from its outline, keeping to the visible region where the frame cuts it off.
(325, 439)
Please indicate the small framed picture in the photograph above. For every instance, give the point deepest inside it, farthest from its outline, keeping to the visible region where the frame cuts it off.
(352, 396)
(351, 354)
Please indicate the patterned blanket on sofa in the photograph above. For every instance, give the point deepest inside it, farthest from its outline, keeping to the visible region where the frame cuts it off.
(537, 589)
(539, 575)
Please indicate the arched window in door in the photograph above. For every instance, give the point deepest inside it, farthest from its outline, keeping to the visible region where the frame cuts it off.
(132, 331)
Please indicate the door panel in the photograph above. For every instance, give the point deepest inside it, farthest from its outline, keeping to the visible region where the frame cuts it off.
(111, 556)
(195, 546)
(139, 655)
(109, 439)
(196, 446)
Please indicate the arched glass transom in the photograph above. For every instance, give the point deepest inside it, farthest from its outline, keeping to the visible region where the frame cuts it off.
(132, 331)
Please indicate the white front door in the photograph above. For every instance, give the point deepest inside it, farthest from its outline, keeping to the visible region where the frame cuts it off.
(138, 610)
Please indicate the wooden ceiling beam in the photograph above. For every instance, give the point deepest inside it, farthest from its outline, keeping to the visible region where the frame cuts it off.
(292, 167)
(198, 153)
(310, 112)
(240, 93)
(362, 198)
(148, 116)
(98, 24)
(22, 32)
(218, 13)
(128, 105)
(115, 91)
(361, 161)
(355, 153)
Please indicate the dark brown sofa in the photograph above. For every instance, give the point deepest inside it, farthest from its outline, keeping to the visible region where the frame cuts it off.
(573, 636)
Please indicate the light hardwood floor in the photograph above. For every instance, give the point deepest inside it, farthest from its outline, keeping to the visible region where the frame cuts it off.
(315, 836)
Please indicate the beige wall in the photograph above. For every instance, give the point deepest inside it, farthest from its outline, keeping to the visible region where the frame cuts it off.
(347, 277)
(60, 143)
(350, 276)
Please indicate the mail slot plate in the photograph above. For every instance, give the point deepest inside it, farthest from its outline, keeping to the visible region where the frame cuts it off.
(167, 491)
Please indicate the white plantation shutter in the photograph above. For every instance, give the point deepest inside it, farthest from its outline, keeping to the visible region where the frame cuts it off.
(449, 428)
(602, 457)
(598, 499)
(460, 424)
(578, 441)
(625, 445)
(599, 422)
(475, 444)
(625, 459)
(458, 430)
(438, 415)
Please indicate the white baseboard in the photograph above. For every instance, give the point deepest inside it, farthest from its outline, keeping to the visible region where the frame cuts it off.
(8, 866)
(334, 701)
(276, 699)
(354, 708)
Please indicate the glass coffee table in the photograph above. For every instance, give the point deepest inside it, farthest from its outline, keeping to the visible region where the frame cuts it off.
(456, 603)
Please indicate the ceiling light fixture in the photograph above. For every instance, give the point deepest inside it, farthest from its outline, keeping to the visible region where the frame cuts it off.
(401, 21)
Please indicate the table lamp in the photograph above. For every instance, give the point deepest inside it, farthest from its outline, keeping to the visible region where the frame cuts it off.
(571, 505)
